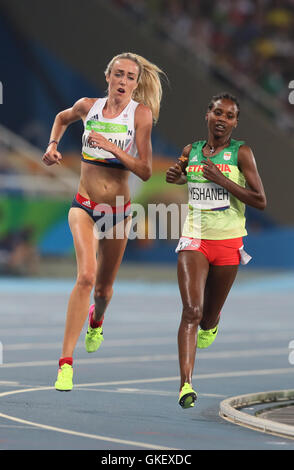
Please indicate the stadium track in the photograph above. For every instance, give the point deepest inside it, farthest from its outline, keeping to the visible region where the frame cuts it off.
(125, 395)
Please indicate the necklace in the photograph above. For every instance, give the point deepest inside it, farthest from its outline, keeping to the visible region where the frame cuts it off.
(213, 149)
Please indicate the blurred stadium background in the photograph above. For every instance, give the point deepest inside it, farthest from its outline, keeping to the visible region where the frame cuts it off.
(53, 53)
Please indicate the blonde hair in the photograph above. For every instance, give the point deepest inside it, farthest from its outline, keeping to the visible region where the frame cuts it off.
(149, 89)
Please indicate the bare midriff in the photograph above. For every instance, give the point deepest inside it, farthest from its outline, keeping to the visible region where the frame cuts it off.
(101, 184)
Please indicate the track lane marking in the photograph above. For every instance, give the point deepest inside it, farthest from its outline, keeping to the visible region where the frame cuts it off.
(127, 382)
(230, 354)
(86, 435)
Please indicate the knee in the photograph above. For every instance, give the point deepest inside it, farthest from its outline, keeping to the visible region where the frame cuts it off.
(192, 315)
(103, 291)
(86, 280)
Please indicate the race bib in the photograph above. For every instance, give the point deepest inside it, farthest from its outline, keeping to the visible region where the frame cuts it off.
(115, 133)
(208, 196)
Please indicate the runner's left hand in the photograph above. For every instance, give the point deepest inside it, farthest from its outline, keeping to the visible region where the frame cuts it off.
(211, 172)
(98, 140)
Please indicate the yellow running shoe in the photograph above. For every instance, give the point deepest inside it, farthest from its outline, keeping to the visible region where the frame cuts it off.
(64, 378)
(187, 396)
(206, 337)
(94, 336)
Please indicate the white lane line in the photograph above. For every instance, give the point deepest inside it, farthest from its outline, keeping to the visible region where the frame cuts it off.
(215, 375)
(226, 338)
(129, 382)
(89, 436)
(230, 354)
(140, 391)
(8, 382)
(101, 360)
(71, 432)
(110, 343)
(136, 391)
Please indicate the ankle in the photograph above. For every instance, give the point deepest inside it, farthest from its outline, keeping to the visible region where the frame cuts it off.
(65, 360)
(95, 323)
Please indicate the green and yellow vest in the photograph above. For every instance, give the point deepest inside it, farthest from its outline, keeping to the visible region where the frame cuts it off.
(214, 213)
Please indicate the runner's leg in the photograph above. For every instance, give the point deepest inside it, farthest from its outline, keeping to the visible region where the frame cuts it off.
(110, 254)
(219, 282)
(85, 244)
(193, 269)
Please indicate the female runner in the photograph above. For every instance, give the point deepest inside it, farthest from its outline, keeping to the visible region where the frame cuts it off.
(222, 178)
(116, 141)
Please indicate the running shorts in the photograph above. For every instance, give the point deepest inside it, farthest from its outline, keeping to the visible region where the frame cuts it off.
(102, 213)
(218, 252)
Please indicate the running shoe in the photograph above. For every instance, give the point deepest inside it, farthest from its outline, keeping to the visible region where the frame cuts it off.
(94, 336)
(206, 337)
(64, 378)
(187, 396)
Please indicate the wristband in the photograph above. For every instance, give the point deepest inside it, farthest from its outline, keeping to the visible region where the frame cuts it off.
(183, 159)
(51, 142)
(183, 162)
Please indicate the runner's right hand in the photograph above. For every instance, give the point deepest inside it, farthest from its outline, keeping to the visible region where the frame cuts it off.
(51, 157)
(173, 174)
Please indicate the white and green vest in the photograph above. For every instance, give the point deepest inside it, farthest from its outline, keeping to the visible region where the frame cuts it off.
(120, 130)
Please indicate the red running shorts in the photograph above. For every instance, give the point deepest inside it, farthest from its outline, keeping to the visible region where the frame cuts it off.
(218, 252)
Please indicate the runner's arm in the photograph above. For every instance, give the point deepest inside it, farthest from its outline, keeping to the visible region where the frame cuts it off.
(253, 195)
(62, 120)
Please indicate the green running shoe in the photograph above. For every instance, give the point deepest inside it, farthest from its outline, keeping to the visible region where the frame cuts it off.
(94, 336)
(187, 396)
(206, 337)
(64, 378)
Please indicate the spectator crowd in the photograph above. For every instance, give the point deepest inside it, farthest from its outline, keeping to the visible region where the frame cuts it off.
(251, 38)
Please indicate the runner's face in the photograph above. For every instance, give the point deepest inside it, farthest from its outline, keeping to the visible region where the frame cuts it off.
(122, 79)
(222, 118)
